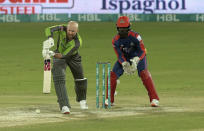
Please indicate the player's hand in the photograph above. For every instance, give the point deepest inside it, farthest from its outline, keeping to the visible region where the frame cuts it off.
(126, 67)
(47, 53)
(51, 53)
(135, 62)
(47, 44)
(51, 41)
(44, 53)
(58, 55)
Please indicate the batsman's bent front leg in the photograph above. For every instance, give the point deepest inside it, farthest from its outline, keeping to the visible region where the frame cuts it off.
(58, 71)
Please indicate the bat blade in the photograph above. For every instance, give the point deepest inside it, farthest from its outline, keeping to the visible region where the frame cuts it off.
(47, 76)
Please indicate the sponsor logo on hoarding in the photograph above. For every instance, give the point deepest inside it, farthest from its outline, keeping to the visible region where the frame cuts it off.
(144, 6)
(33, 6)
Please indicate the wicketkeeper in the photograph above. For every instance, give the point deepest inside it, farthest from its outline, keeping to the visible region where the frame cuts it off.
(66, 54)
(131, 54)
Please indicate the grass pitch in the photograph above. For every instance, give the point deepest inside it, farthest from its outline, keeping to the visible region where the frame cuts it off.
(174, 59)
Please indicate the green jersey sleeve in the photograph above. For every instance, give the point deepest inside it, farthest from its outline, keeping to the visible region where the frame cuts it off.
(50, 31)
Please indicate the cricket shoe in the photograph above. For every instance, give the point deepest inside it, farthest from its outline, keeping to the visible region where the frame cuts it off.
(155, 103)
(106, 103)
(65, 110)
(83, 105)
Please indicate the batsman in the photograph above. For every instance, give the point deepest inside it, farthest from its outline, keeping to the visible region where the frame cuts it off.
(67, 54)
(131, 53)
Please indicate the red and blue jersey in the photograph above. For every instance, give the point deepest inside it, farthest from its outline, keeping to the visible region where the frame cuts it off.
(127, 48)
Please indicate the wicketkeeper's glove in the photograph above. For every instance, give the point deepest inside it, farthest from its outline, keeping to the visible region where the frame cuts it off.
(127, 68)
(135, 62)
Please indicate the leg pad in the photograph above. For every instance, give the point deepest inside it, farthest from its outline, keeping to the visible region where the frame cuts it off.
(113, 83)
(149, 84)
(60, 87)
(80, 89)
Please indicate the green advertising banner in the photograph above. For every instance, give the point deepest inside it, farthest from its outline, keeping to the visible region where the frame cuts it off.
(102, 17)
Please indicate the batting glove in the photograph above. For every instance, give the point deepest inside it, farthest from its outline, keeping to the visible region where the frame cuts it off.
(44, 53)
(51, 41)
(51, 53)
(47, 44)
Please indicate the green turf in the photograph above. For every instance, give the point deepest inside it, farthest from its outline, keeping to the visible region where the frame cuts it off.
(175, 52)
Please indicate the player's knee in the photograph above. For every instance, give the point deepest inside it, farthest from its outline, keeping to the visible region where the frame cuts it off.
(113, 79)
(80, 89)
(113, 76)
(81, 83)
(58, 71)
(145, 74)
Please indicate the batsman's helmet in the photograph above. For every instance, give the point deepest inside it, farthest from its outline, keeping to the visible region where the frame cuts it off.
(123, 21)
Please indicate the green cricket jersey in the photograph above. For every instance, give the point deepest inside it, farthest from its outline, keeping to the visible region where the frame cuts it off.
(65, 46)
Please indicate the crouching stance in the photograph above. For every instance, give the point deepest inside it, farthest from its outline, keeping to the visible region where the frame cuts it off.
(66, 54)
(131, 53)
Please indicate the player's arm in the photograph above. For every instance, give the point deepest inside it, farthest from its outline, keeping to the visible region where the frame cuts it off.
(122, 60)
(118, 52)
(140, 46)
(139, 43)
(73, 49)
(50, 31)
(47, 44)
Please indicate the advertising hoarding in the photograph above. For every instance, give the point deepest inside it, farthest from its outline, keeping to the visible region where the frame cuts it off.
(101, 6)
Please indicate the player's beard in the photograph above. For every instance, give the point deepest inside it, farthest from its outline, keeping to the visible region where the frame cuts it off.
(71, 36)
(123, 34)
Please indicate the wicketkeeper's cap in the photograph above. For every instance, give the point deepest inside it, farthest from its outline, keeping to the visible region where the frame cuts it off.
(123, 21)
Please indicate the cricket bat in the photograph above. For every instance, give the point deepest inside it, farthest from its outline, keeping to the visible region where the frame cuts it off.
(47, 64)
(47, 75)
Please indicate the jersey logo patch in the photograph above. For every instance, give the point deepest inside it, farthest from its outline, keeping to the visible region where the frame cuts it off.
(122, 21)
(132, 44)
(139, 38)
